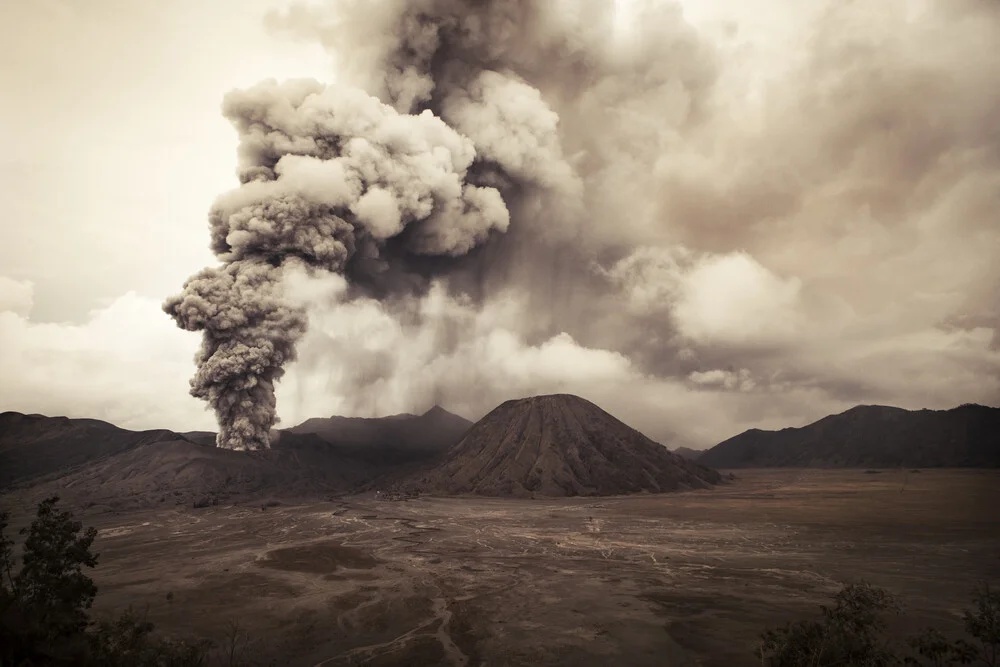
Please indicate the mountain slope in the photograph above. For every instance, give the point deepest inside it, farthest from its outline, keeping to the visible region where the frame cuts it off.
(688, 453)
(96, 462)
(183, 471)
(871, 436)
(558, 445)
(389, 441)
(35, 446)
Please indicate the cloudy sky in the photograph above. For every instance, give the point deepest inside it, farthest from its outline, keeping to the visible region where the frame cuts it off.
(775, 211)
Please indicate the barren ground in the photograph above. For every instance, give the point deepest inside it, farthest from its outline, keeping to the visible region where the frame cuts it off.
(675, 579)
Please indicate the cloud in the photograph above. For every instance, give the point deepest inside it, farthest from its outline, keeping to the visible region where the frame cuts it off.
(733, 299)
(16, 296)
(126, 364)
(712, 298)
(367, 358)
(729, 380)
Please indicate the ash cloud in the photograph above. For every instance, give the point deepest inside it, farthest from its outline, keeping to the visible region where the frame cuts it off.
(329, 175)
(789, 225)
(335, 179)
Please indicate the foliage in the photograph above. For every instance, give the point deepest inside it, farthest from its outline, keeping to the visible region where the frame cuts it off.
(939, 650)
(51, 582)
(44, 605)
(127, 642)
(984, 624)
(847, 633)
(850, 634)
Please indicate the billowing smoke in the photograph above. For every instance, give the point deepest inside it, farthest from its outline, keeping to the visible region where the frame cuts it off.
(329, 175)
(336, 180)
(673, 206)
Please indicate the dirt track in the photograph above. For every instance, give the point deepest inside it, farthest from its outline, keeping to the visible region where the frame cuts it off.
(677, 579)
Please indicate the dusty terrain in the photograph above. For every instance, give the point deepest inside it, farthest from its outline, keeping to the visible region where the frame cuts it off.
(676, 579)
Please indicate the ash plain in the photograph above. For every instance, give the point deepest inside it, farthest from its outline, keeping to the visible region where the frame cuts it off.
(668, 579)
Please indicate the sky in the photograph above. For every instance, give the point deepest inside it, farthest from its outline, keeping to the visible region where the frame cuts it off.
(768, 213)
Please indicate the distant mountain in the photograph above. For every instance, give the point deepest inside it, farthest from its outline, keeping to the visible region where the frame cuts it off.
(389, 441)
(688, 453)
(871, 436)
(206, 438)
(97, 462)
(182, 471)
(35, 446)
(559, 445)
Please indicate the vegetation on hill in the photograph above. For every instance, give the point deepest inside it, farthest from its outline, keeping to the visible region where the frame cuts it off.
(851, 633)
(45, 603)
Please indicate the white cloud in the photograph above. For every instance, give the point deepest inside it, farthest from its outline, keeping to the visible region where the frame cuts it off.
(16, 296)
(733, 299)
(730, 380)
(360, 359)
(711, 298)
(127, 364)
(366, 360)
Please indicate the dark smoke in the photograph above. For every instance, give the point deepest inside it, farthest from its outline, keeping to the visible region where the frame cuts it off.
(336, 180)
(329, 175)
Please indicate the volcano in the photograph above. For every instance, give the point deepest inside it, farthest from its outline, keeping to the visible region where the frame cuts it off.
(559, 445)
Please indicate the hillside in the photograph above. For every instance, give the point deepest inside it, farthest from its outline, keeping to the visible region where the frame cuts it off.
(871, 436)
(558, 445)
(389, 441)
(98, 463)
(688, 453)
(33, 447)
(180, 471)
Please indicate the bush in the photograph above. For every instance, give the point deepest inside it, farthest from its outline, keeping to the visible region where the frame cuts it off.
(850, 633)
(846, 634)
(127, 642)
(935, 647)
(44, 605)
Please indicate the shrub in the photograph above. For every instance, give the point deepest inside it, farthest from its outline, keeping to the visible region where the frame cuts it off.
(850, 633)
(127, 642)
(846, 634)
(44, 605)
(983, 624)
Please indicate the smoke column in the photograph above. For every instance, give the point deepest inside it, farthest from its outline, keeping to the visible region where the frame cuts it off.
(334, 179)
(329, 174)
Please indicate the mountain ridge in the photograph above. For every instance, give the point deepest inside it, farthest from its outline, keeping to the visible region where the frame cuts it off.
(871, 436)
(401, 439)
(98, 462)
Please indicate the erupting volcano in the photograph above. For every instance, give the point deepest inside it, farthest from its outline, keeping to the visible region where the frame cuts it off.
(429, 160)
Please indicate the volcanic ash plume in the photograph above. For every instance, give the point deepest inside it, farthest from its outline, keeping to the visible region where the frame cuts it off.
(329, 175)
